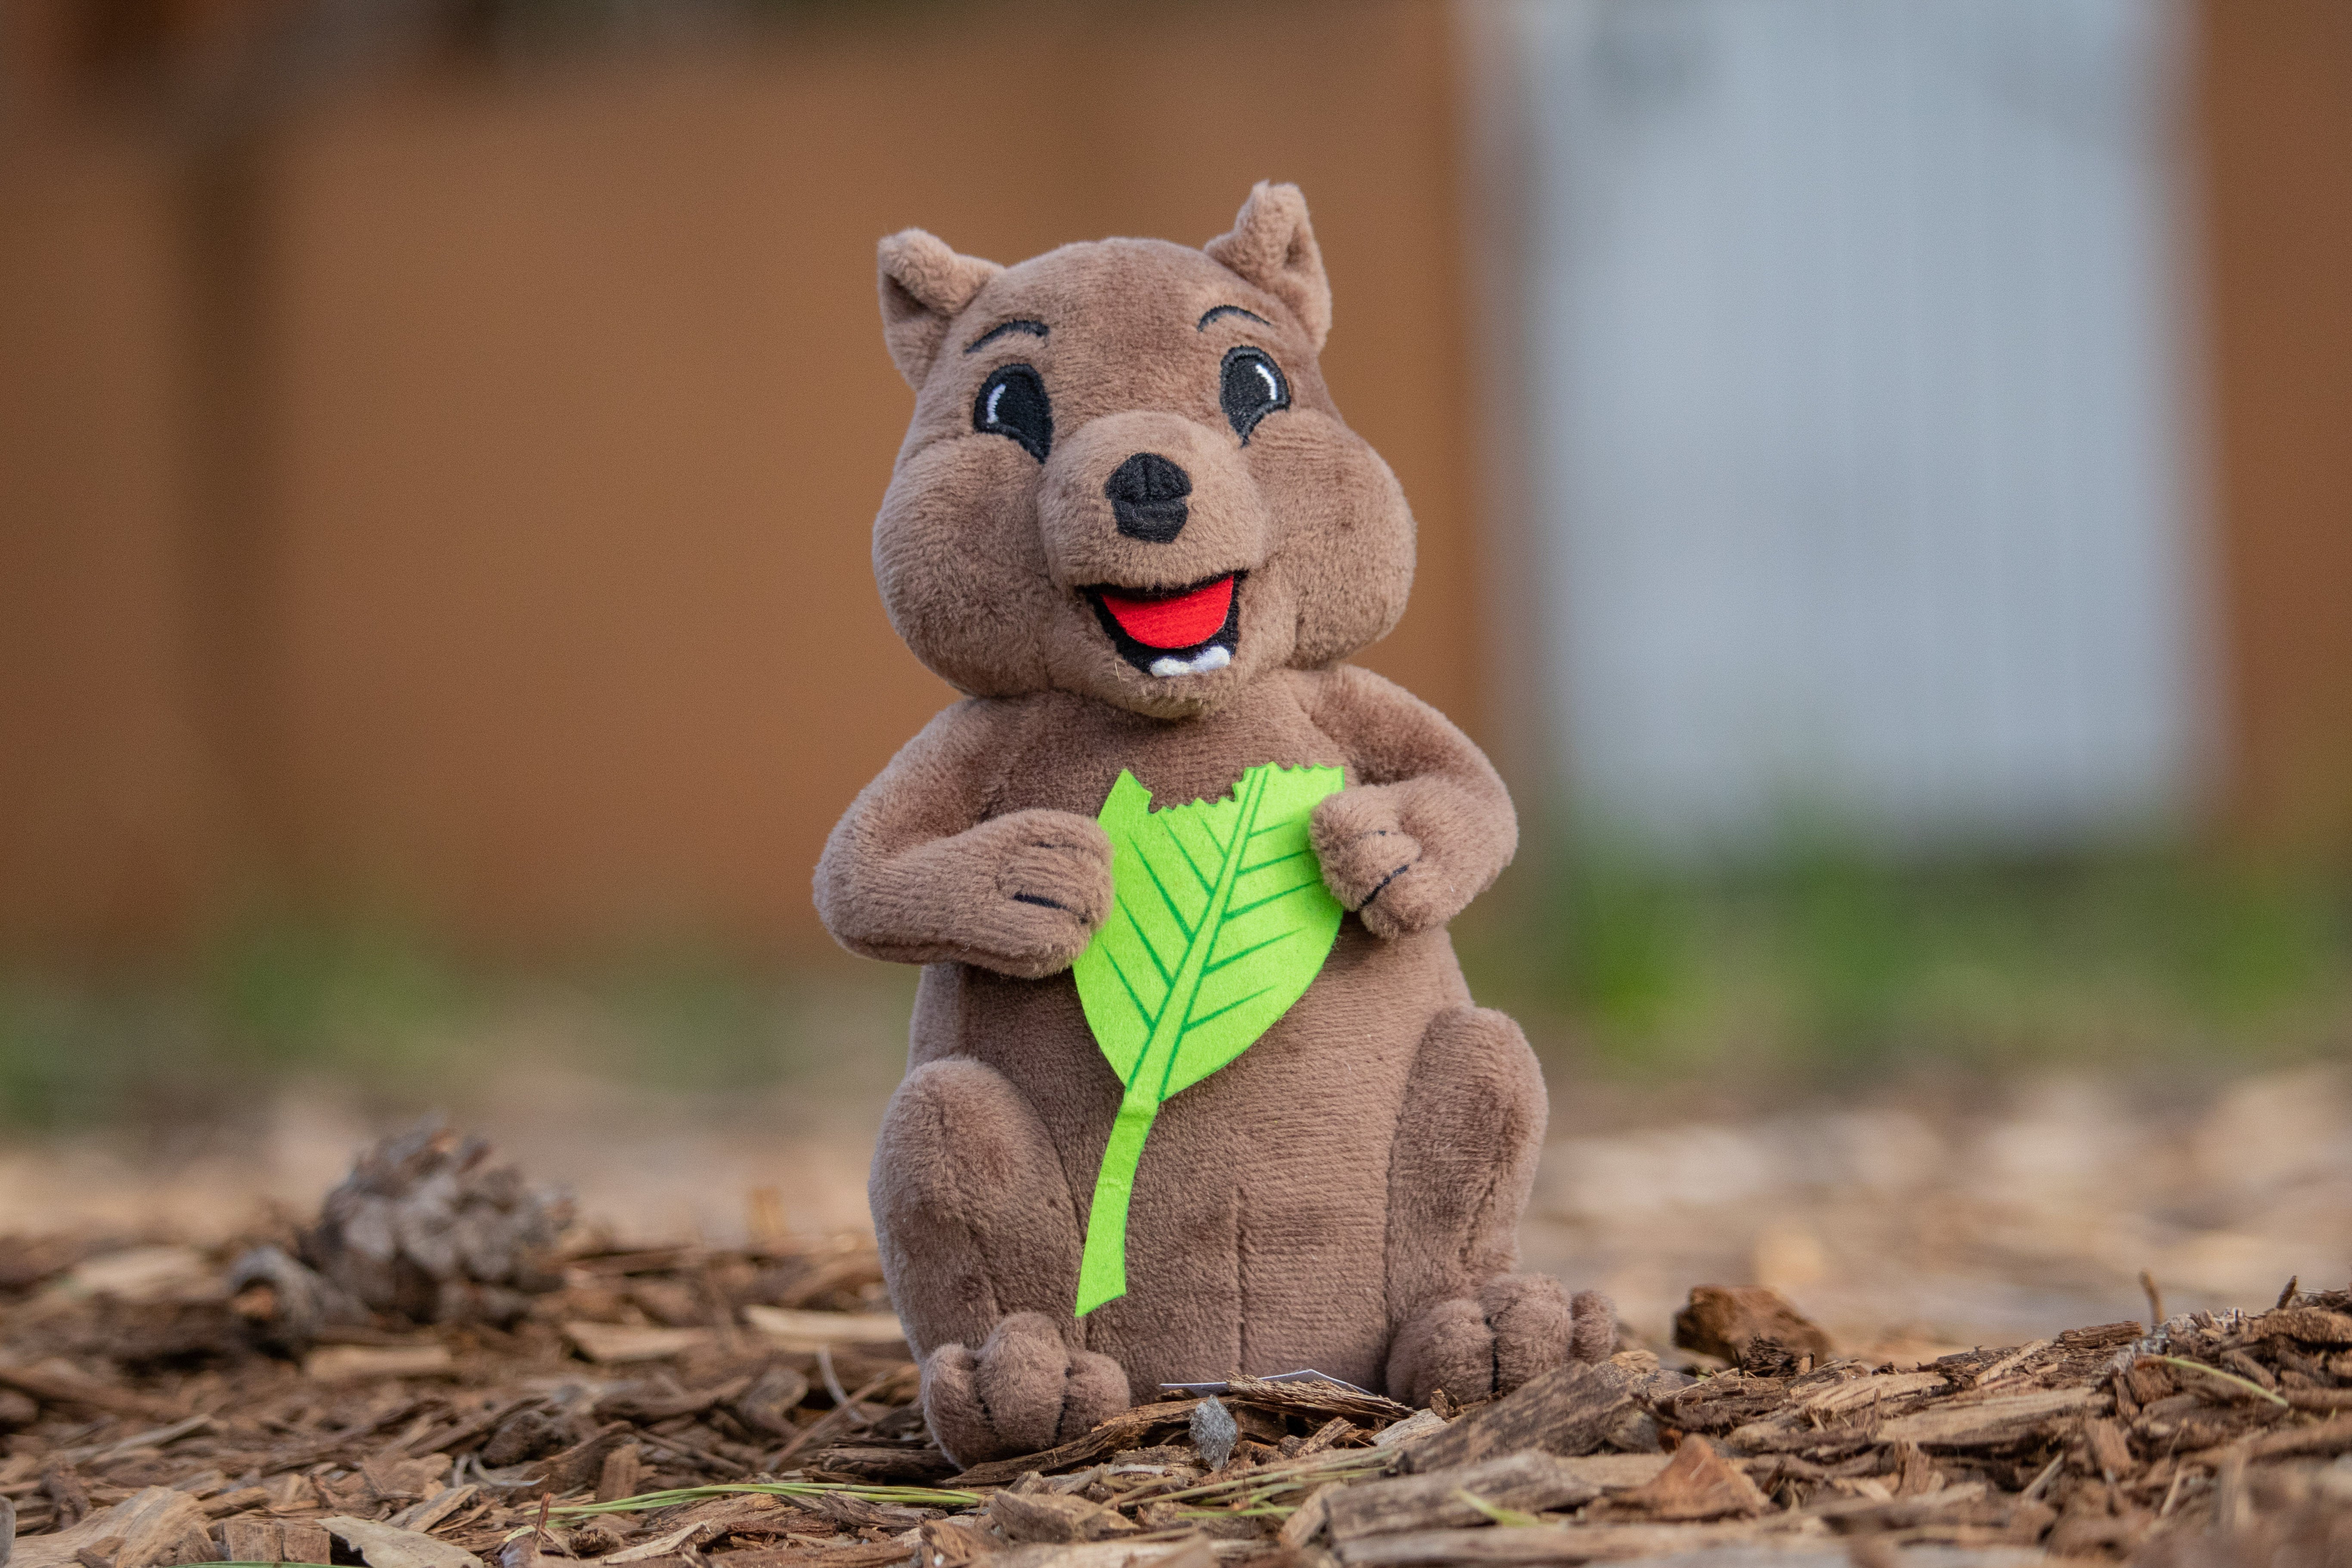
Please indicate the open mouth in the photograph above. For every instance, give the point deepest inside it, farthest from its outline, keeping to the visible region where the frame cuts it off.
(1185, 631)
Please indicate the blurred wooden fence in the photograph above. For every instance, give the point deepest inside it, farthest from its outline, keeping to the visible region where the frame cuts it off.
(454, 497)
(449, 492)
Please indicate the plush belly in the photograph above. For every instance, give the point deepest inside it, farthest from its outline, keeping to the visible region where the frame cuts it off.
(1256, 1235)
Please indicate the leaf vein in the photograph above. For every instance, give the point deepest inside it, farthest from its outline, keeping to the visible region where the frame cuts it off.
(1150, 949)
(1166, 898)
(1142, 1012)
(1192, 1024)
(1278, 860)
(1226, 963)
(1194, 865)
(1236, 913)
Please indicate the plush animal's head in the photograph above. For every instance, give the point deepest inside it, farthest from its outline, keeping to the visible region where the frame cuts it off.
(1124, 477)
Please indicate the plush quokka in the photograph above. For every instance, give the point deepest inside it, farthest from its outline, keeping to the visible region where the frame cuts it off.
(1128, 524)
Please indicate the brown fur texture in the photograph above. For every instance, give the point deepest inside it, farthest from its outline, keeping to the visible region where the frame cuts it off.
(1346, 1194)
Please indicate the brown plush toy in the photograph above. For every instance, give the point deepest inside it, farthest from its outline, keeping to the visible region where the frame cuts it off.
(1128, 524)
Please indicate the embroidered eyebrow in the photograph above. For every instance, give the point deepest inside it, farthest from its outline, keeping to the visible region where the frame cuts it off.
(998, 330)
(1215, 310)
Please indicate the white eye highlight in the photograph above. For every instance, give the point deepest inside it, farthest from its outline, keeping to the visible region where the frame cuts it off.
(1013, 403)
(1249, 387)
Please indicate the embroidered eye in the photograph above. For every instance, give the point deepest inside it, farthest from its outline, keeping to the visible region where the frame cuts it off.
(1012, 401)
(1253, 388)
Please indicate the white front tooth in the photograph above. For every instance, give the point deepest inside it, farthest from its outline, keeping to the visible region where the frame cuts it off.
(1216, 656)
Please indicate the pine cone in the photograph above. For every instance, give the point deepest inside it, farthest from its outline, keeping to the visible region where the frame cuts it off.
(286, 1303)
(424, 1227)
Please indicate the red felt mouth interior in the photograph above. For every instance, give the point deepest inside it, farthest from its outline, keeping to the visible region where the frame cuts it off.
(1182, 621)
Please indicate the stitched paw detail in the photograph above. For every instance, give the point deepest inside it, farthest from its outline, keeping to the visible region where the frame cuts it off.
(1052, 877)
(1023, 1390)
(1362, 847)
(1518, 1326)
(1376, 867)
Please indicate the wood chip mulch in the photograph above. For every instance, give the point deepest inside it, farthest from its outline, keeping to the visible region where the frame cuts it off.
(754, 1409)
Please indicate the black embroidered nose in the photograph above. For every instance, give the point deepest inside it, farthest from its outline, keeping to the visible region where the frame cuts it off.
(1146, 496)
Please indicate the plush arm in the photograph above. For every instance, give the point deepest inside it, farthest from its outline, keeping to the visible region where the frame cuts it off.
(915, 873)
(1428, 825)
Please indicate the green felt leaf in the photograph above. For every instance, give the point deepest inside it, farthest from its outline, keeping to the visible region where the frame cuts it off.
(1220, 922)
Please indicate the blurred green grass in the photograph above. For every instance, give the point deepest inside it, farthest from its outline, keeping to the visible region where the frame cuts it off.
(1820, 961)
(1816, 965)
(384, 1013)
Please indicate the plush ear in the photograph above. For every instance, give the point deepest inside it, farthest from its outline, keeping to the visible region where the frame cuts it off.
(924, 286)
(1273, 246)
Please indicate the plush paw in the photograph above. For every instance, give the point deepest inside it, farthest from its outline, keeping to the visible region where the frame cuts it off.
(1024, 1390)
(1519, 1325)
(1374, 866)
(1049, 889)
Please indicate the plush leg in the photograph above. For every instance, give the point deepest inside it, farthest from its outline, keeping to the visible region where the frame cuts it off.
(1459, 1174)
(980, 1243)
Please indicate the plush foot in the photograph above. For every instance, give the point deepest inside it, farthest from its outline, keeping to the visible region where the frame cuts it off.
(1518, 1326)
(1022, 1391)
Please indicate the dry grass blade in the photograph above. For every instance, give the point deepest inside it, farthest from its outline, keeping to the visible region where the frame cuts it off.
(1258, 1486)
(918, 1497)
(2248, 1384)
(1493, 1513)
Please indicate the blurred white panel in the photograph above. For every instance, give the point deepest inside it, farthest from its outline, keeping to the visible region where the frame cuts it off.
(1858, 464)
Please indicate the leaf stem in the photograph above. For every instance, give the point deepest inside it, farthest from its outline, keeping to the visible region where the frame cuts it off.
(1102, 1270)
